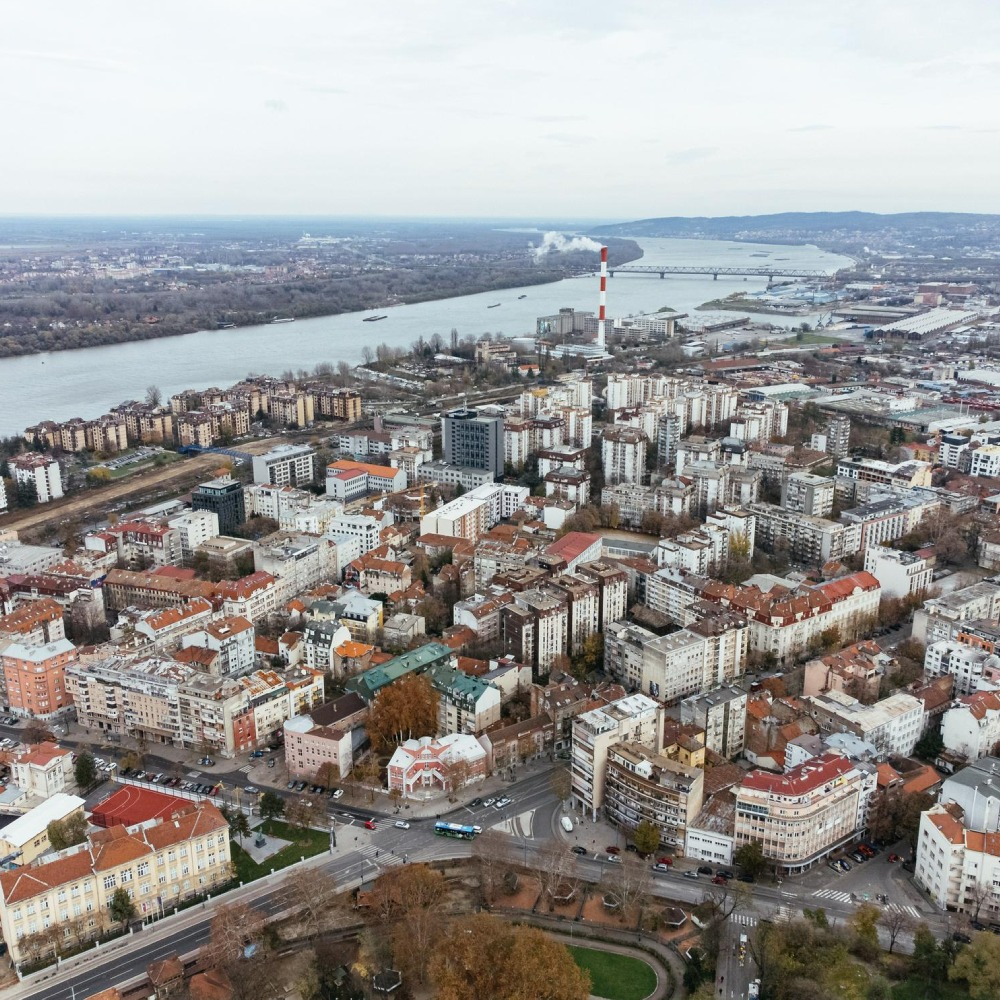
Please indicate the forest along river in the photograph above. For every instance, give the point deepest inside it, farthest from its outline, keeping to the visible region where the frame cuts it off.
(87, 382)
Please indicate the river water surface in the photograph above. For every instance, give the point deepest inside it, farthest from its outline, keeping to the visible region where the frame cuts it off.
(87, 382)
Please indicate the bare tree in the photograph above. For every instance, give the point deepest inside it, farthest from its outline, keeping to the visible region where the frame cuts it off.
(561, 783)
(312, 892)
(553, 865)
(897, 921)
(492, 851)
(733, 897)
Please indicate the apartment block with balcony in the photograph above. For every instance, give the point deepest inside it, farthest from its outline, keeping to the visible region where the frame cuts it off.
(641, 785)
(722, 714)
(34, 678)
(803, 816)
(634, 719)
(901, 574)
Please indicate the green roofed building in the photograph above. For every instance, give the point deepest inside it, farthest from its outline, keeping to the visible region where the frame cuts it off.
(415, 661)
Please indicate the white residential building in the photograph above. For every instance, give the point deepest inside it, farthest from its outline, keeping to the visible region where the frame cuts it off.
(41, 471)
(623, 452)
(971, 727)
(974, 669)
(900, 573)
(285, 465)
(959, 868)
(894, 724)
(635, 719)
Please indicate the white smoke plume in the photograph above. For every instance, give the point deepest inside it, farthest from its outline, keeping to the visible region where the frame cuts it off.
(557, 243)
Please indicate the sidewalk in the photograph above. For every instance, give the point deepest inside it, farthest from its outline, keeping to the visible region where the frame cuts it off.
(378, 801)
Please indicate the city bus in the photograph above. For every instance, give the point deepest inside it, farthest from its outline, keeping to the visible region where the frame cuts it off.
(443, 829)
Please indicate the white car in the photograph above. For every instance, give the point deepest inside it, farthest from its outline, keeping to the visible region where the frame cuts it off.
(613, 859)
(401, 824)
(338, 793)
(488, 802)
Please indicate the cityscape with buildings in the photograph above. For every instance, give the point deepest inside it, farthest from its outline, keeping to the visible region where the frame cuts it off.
(438, 563)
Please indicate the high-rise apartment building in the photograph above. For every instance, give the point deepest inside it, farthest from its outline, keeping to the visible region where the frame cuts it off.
(285, 465)
(473, 440)
(224, 497)
(40, 471)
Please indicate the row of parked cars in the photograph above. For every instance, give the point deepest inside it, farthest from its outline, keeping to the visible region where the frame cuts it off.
(862, 853)
(301, 786)
(152, 778)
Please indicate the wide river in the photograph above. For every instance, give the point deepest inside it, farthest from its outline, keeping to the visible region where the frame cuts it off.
(87, 382)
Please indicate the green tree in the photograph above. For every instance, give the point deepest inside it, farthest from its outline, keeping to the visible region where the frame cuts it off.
(121, 908)
(85, 770)
(25, 493)
(750, 857)
(271, 805)
(63, 833)
(239, 825)
(929, 960)
(865, 926)
(590, 657)
(647, 837)
(979, 965)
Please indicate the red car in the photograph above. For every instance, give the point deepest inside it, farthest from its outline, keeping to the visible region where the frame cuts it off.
(369, 824)
(894, 858)
(612, 850)
(719, 880)
(665, 861)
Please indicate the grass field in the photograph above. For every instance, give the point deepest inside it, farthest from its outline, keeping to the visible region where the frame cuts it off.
(616, 977)
(305, 843)
(916, 989)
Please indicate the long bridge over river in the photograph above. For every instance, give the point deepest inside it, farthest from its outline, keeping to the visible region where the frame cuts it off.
(716, 269)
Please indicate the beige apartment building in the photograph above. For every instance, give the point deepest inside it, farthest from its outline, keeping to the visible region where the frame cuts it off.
(159, 865)
(804, 815)
(635, 719)
(643, 785)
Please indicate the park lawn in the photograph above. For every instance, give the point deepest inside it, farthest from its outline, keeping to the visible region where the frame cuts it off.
(615, 977)
(848, 979)
(917, 989)
(305, 843)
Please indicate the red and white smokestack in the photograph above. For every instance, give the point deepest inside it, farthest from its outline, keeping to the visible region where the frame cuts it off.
(604, 297)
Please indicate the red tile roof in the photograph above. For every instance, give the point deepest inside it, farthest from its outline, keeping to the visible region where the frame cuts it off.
(814, 773)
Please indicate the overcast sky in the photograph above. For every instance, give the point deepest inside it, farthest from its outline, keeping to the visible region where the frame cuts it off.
(525, 108)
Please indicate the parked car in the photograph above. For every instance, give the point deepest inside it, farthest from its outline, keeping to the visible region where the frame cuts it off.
(251, 789)
(291, 784)
(577, 849)
(665, 861)
(833, 866)
(502, 803)
(745, 878)
(908, 866)
(845, 866)
(719, 880)
(690, 874)
(858, 857)
(725, 873)
(894, 858)
(613, 858)
(488, 802)
(401, 824)
(337, 792)
(959, 936)
(475, 802)
(661, 868)
(632, 848)
(704, 870)
(254, 754)
(612, 850)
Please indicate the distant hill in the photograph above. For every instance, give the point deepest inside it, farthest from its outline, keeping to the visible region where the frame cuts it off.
(803, 224)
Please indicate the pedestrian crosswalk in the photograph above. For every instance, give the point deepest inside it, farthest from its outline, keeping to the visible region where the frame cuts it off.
(839, 897)
(380, 856)
(246, 768)
(744, 920)
(846, 897)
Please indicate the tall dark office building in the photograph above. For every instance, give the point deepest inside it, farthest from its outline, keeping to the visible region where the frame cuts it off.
(473, 440)
(225, 497)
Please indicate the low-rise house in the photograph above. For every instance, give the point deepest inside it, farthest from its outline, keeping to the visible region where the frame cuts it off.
(435, 765)
(27, 837)
(970, 729)
(327, 737)
(42, 770)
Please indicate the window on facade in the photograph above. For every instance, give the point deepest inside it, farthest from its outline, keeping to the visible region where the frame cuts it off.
(109, 881)
(143, 868)
(126, 875)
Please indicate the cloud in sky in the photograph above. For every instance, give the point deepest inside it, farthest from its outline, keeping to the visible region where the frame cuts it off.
(504, 107)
